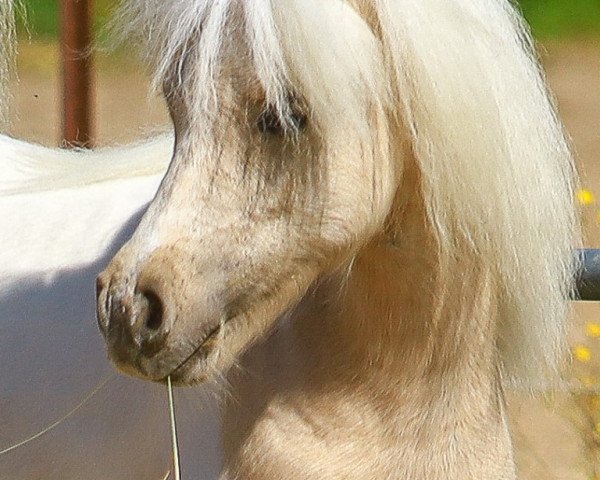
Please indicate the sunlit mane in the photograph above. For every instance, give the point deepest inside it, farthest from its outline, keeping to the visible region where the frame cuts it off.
(497, 172)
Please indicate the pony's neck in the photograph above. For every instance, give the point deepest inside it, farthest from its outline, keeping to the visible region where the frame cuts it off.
(380, 373)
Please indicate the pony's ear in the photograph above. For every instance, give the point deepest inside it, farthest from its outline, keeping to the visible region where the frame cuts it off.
(497, 172)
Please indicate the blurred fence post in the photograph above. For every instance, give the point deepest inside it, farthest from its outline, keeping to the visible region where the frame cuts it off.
(77, 94)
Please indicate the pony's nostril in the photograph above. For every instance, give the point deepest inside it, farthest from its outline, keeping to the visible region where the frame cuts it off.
(154, 311)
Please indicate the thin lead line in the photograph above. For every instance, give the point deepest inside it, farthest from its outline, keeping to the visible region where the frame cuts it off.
(176, 467)
(60, 420)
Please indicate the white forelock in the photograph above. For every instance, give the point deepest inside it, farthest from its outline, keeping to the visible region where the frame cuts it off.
(322, 51)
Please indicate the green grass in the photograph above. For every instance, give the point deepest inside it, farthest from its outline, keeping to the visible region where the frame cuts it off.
(549, 18)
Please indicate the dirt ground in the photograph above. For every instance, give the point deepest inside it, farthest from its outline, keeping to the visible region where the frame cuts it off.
(557, 437)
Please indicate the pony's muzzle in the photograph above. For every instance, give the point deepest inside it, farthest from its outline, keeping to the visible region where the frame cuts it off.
(157, 312)
(134, 321)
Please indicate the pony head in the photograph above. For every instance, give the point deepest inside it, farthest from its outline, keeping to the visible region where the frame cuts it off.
(296, 122)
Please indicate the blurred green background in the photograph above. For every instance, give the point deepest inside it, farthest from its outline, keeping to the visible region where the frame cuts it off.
(549, 18)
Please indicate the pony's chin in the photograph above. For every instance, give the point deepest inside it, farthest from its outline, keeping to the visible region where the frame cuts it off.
(194, 370)
(203, 365)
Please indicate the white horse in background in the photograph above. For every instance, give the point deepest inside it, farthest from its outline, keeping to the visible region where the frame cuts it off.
(368, 215)
(63, 214)
(63, 217)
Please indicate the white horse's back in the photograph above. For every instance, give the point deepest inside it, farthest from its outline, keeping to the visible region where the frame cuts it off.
(62, 217)
(61, 209)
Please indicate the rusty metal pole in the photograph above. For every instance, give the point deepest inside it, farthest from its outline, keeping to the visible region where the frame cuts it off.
(76, 42)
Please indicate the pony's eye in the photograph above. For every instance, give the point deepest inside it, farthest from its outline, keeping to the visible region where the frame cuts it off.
(270, 123)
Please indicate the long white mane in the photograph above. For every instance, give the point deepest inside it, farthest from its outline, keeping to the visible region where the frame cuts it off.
(497, 172)
(498, 175)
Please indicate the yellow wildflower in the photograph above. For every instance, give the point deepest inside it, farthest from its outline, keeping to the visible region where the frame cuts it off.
(592, 329)
(583, 354)
(586, 197)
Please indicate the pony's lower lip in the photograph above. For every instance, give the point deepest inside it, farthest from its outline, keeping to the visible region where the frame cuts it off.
(204, 349)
